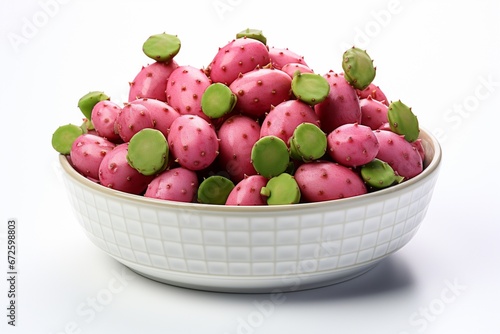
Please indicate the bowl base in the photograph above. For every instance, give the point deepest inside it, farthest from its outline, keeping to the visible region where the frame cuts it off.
(248, 285)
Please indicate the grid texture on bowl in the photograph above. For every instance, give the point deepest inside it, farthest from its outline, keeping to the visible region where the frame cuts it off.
(261, 244)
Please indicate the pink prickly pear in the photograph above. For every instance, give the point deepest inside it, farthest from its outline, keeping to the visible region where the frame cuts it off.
(282, 120)
(373, 113)
(131, 119)
(185, 88)
(237, 136)
(352, 145)
(282, 56)
(162, 114)
(341, 106)
(324, 180)
(193, 142)
(292, 68)
(116, 173)
(87, 153)
(248, 191)
(400, 154)
(151, 81)
(419, 147)
(374, 92)
(238, 56)
(177, 184)
(104, 115)
(260, 89)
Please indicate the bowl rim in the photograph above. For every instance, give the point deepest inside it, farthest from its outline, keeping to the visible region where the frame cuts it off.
(433, 156)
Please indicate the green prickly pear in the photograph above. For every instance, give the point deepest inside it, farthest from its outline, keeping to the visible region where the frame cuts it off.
(162, 47)
(87, 102)
(148, 151)
(217, 100)
(402, 121)
(310, 88)
(308, 142)
(270, 156)
(215, 189)
(358, 68)
(281, 189)
(379, 174)
(252, 33)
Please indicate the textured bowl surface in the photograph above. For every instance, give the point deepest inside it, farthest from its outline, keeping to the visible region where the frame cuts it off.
(253, 249)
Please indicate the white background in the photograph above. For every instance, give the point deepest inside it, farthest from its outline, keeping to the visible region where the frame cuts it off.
(440, 57)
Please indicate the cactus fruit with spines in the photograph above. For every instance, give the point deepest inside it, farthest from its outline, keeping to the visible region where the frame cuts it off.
(257, 126)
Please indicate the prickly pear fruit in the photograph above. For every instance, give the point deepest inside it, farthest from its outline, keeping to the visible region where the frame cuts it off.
(419, 147)
(282, 120)
(260, 89)
(116, 173)
(241, 55)
(151, 81)
(64, 136)
(148, 152)
(324, 180)
(161, 113)
(131, 119)
(307, 143)
(373, 113)
(193, 142)
(399, 154)
(247, 191)
(402, 120)
(104, 115)
(358, 68)
(270, 156)
(252, 33)
(217, 100)
(177, 184)
(282, 56)
(341, 105)
(374, 92)
(87, 102)
(185, 88)
(281, 189)
(379, 174)
(310, 88)
(352, 145)
(215, 189)
(292, 68)
(237, 136)
(162, 47)
(87, 152)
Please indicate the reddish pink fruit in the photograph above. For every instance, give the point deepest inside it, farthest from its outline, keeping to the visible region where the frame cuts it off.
(104, 115)
(258, 90)
(87, 153)
(341, 105)
(131, 119)
(291, 68)
(419, 147)
(282, 56)
(116, 173)
(185, 88)
(247, 191)
(374, 92)
(237, 136)
(352, 145)
(161, 113)
(401, 155)
(238, 56)
(177, 184)
(324, 180)
(193, 142)
(151, 81)
(282, 120)
(373, 113)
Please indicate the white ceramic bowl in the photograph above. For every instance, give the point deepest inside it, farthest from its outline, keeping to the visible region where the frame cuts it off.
(253, 249)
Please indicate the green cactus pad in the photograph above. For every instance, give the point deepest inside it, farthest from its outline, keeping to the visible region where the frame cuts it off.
(148, 151)
(252, 33)
(308, 142)
(281, 189)
(215, 189)
(403, 121)
(379, 174)
(162, 47)
(87, 125)
(310, 88)
(217, 100)
(89, 100)
(270, 156)
(358, 68)
(64, 136)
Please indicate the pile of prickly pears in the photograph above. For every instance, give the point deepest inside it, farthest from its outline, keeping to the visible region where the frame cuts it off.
(255, 126)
